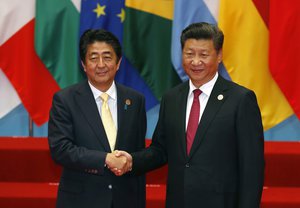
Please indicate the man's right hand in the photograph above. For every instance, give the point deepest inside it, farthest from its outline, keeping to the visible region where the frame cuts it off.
(119, 162)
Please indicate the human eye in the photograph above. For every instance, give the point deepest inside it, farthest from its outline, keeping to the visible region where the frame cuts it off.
(94, 59)
(188, 54)
(107, 58)
(204, 55)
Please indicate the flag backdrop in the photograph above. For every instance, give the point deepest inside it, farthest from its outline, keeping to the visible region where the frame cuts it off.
(39, 53)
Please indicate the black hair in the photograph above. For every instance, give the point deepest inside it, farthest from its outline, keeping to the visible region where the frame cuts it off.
(91, 36)
(203, 30)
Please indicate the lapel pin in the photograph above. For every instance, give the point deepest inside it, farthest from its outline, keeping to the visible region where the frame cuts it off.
(127, 103)
(220, 97)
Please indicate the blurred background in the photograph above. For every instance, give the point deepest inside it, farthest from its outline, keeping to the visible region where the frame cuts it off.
(39, 54)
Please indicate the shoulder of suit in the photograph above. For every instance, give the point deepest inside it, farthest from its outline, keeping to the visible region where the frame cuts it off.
(238, 88)
(73, 88)
(128, 90)
(178, 88)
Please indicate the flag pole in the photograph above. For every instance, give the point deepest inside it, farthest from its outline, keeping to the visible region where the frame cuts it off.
(30, 126)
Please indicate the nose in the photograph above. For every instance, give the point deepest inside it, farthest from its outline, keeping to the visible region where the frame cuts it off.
(100, 62)
(197, 61)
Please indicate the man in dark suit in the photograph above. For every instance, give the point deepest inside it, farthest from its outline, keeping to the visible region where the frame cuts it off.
(82, 143)
(209, 132)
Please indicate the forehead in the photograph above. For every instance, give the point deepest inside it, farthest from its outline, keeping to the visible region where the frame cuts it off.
(200, 44)
(100, 48)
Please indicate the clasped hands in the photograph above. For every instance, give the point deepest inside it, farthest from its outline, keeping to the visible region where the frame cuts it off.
(119, 162)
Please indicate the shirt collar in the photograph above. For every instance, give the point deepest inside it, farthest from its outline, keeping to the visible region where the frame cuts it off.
(206, 88)
(112, 92)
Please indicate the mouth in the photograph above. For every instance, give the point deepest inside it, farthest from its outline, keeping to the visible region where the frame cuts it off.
(197, 70)
(101, 73)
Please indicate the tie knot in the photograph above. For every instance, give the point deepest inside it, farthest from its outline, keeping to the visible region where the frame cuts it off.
(197, 92)
(104, 97)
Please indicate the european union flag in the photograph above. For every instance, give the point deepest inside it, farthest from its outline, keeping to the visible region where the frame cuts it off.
(110, 15)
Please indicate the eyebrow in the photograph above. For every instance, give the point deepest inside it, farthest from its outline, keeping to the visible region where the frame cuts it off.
(107, 53)
(193, 49)
(103, 53)
(93, 53)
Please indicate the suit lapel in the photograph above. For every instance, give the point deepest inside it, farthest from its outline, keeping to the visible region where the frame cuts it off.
(121, 94)
(216, 100)
(181, 103)
(88, 106)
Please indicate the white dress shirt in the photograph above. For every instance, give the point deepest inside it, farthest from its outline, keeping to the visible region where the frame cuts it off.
(203, 98)
(112, 101)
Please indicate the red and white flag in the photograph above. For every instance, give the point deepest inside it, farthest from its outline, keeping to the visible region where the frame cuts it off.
(20, 63)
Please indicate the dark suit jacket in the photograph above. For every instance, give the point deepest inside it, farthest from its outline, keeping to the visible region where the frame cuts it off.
(78, 142)
(225, 168)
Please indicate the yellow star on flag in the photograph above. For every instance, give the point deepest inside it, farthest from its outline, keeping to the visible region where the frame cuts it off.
(122, 15)
(99, 10)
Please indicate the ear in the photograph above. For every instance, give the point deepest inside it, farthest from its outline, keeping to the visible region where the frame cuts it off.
(119, 63)
(83, 66)
(220, 55)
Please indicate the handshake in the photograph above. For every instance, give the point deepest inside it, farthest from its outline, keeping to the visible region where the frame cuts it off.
(119, 162)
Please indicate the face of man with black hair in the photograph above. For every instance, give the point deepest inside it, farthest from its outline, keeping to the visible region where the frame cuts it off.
(101, 65)
(200, 60)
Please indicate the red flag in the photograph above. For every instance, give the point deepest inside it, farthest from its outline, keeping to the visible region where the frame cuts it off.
(31, 79)
(284, 48)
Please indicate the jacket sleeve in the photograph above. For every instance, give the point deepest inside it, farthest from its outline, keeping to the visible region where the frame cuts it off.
(63, 147)
(250, 139)
(155, 155)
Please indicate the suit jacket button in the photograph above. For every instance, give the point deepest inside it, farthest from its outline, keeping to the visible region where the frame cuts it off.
(187, 165)
(110, 186)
